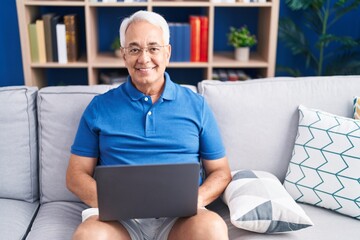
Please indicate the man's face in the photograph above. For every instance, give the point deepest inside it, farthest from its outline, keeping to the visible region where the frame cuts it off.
(147, 66)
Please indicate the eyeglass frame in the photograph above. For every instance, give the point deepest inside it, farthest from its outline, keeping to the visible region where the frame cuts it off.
(141, 50)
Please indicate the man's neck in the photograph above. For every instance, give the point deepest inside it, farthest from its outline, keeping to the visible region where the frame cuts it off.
(152, 90)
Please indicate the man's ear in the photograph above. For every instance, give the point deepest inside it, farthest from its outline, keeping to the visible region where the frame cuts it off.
(123, 53)
(169, 52)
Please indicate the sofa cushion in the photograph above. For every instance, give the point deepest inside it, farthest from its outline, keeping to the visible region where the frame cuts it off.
(324, 169)
(328, 225)
(258, 118)
(16, 218)
(59, 112)
(56, 221)
(258, 202)
(18, 144)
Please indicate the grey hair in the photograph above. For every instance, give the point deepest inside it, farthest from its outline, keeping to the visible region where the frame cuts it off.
(151, 17)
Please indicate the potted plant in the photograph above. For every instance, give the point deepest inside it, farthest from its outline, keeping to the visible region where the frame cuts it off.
(241, 39)
(115, 46)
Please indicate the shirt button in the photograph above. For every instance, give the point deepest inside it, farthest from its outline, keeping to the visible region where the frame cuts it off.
(146, 99)
(149, 113)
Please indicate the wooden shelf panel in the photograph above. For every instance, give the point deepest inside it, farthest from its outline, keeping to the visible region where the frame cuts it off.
(107, 60)
(188, 65)
(119, 4)
(226, 59)
(81, 63)
(55, 3)
(241, 4)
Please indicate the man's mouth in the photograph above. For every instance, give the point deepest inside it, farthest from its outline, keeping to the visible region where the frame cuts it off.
(144, 69)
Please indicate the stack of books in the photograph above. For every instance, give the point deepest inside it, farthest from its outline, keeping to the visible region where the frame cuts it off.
(189, 41)
(230, 75)
(54, 38)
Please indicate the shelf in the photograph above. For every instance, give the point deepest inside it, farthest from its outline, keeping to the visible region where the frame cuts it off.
(81, 63)
(119, 4)
(107, 60)
(95, 18)
(55, 3)
(226, 60)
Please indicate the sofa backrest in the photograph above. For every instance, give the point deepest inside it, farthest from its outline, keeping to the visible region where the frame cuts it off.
(18, 144)
(59, 112)
(258, 119)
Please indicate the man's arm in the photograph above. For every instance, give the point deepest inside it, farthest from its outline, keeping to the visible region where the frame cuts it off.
(79, 179)
(218, 177)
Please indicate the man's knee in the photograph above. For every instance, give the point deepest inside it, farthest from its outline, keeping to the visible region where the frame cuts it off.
(215, 227)
(206, 225)
(92, 229)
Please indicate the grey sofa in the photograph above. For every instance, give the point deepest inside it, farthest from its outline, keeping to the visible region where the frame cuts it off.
(258, 122)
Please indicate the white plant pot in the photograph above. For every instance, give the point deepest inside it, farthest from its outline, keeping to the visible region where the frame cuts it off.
(242, 54)
(117, 53)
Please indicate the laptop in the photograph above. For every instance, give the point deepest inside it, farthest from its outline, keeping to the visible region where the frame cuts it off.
(147, 191)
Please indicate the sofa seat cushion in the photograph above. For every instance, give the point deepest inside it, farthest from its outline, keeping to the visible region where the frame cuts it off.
(328, 225)
(18, 144)
(16, 218)
(56, 221)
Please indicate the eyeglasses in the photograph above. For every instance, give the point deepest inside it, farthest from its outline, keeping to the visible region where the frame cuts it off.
(136, 51)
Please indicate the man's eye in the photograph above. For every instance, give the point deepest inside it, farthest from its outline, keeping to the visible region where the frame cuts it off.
(134, 50)
(154, 49)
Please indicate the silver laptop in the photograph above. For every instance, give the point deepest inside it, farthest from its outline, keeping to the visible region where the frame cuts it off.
(147, 191)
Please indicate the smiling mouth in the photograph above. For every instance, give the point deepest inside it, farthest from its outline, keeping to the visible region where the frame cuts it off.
(144, 69)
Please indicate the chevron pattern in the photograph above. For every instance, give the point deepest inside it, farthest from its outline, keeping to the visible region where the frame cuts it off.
(325, 167)
(356, 108)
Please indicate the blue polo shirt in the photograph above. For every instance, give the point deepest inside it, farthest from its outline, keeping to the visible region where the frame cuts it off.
(122, 126)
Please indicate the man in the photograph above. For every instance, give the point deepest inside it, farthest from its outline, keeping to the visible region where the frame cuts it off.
(148, 114)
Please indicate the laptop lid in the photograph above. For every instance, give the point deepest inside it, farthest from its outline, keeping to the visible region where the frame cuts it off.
(147, 191)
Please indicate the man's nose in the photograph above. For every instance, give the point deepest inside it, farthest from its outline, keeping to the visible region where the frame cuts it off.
(144, 55)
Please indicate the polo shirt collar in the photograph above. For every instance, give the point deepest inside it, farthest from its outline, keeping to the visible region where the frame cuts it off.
(168, 93)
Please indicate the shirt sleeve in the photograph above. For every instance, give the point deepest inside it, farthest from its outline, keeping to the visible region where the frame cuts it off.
(86, 141)
(211, 144)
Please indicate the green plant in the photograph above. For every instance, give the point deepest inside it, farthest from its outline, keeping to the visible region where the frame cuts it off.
(329, 54)
(241, 37)
(116, 44)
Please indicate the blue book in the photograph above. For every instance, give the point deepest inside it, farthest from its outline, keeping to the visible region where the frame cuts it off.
(173, 38)
(186, 42)
(178, 42)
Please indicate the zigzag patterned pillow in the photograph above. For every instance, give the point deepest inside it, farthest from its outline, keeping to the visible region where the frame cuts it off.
(258, 202)
(356, 108)
(325, 167)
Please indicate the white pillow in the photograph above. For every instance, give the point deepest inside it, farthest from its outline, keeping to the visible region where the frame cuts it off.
(325, 167)
(258, 202)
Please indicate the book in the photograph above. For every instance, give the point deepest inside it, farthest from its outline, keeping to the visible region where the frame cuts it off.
(185, 27)
(41, 40)
(112, 78)
(173, 38)
(204, 36)
(34, 49)
(48, 36)
(61, 43)
(54, 20)
(72, 41)
(195, 38)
